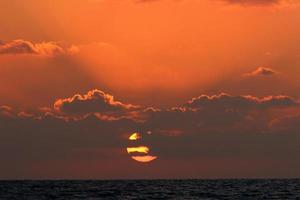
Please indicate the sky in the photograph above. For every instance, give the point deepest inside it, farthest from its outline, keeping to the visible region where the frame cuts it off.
(210, 87)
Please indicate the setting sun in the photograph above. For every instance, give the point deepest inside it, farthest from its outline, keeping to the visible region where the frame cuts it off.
(135, 136)
(144, 158)
(141, 149)
(132, 151)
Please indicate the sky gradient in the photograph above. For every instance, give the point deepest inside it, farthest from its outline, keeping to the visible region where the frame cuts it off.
(212, 86)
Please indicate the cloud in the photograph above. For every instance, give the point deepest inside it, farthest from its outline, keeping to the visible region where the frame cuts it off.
(226, 126)
(43, 49)
(253, 2)
(31, 140)
(262, 71)
(225, 101)
(93, 101)
(221, 128)
(219, 114)
(6, 111)
(286, 124)
(237, 2)
(242, 2)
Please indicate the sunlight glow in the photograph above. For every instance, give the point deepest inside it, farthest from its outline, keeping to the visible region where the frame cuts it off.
(144, 159)
(135, 136)
(141, 149)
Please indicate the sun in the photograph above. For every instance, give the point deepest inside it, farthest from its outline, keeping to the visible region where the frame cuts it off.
(141, 149)
(144, 159)
(135, 136)
(139, 153)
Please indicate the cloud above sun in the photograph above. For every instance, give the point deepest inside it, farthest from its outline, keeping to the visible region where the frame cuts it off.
(93, 101)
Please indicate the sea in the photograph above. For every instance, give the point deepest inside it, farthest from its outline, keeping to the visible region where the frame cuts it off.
(151, 189)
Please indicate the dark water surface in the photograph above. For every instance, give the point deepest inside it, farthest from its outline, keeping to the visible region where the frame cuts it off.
(151, 189)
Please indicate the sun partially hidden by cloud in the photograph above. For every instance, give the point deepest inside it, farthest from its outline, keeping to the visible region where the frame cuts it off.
(208, 126)
(139, 153)
(144, 159)
(135, 136)
(141, 149)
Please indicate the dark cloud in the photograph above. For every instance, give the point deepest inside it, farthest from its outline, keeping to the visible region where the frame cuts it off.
(225, 101)
(220, 127)
(27, 47)
(6, 111)
(220, 114)
(93, 101)
(27, 141)
(286, 124)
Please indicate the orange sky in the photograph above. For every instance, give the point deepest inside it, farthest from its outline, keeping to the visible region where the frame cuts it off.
(177, 49)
